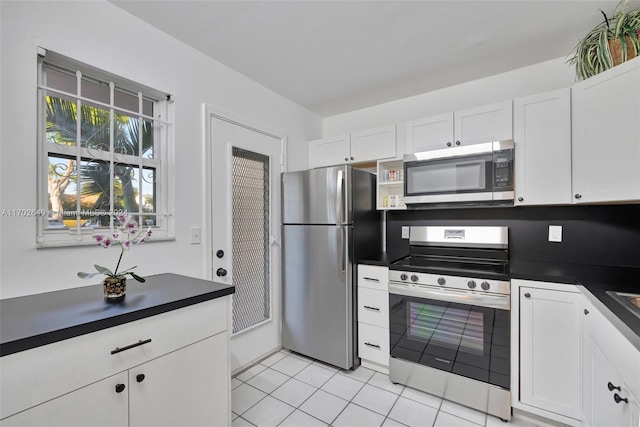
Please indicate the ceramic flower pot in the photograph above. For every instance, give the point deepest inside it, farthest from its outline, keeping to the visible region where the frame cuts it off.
(114, 288)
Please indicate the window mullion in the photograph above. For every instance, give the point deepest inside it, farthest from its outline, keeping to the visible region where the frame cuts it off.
(43, 181)
(78, 152)
(112, 182)
(140, 145)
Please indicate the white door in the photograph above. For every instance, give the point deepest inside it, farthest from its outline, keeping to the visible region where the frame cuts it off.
(245, 195)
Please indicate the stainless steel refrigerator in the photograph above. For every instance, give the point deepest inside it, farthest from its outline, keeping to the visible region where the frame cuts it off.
(329, 220)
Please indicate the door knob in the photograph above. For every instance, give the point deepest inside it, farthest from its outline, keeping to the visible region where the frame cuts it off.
(119, 388)
(527, 295)
(578, 196)
(449, 144)
(140, 377)
(457, 142)
(520, 199)
(221, 272)
(220, 253)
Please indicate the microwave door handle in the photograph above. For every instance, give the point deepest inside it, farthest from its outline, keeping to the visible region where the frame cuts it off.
(339, 198)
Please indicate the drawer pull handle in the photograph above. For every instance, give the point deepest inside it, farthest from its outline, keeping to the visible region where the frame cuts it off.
(371, 308)
(611, 387)
(130, 346)
(119, 388)
(371, 279)
(619, 399)
(372, 345)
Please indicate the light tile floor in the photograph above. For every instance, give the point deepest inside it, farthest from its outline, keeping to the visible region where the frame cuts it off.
(290, 390)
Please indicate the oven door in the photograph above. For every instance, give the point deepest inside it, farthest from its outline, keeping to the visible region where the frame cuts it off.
(459, 337)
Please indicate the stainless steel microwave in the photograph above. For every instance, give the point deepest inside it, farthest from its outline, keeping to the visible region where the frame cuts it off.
(473, 175)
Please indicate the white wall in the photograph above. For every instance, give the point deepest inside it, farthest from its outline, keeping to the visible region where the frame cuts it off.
(538, 78)
(100, 34)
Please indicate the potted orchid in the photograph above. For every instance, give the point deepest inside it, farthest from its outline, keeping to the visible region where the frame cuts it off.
(126, 233)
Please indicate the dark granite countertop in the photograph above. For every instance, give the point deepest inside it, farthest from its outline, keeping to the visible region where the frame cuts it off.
(597, 280)
(383, 259)
(35, 320)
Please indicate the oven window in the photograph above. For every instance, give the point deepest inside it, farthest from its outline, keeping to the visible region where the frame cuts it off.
(449, 176)
(467, 340)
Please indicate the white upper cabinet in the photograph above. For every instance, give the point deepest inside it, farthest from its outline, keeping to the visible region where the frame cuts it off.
(374, 144)
(606, 135)
(357, 147)
(329, 151)
(430, 133)
(542, 135)
(492, 122)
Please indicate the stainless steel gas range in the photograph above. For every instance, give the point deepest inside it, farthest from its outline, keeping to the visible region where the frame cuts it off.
(449, 304)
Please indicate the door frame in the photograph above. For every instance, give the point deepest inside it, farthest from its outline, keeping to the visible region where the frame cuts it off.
(210, 112)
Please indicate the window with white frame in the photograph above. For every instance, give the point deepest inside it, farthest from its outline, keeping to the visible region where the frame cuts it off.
(103, 144)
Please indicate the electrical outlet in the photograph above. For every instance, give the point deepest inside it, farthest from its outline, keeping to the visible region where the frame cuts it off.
(195, 235)
(555, 233)
(405, 232)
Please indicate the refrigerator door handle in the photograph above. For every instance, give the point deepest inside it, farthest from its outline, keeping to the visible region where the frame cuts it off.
(339, 198)
(341, 253)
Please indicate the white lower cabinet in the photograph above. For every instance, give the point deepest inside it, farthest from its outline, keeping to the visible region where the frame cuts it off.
(373, 317)
(180, 374)
(98, 404)
(611, 373)
(549, 350)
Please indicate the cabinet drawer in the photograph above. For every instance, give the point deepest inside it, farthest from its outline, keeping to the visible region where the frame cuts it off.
(33, 376)
(373, 343)
(373, 307)
(374, 277)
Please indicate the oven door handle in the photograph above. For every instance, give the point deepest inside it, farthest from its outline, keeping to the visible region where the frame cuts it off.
(501, 302)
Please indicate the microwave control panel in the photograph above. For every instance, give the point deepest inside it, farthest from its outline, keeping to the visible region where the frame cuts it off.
(503, 170)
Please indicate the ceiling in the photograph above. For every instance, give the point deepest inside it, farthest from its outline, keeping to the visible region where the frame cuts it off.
(338, 56)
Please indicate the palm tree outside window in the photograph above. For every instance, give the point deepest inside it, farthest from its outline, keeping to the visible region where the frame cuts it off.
(102, 148)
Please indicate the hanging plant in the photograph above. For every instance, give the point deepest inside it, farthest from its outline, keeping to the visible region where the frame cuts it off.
(610, 43)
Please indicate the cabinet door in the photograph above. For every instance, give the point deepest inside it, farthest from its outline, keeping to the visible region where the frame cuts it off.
(187, 387)
(329, 151)
(606, 135)
(98, 404)
(600, 405)
(373, 144)
(542, 135)
(430, 133)
(550, 350)
(492, 122)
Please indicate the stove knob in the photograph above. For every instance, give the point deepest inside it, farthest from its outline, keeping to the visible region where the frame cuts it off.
(485, 286)
(471, 284)
(441, 281)
(414, 278)
(403, 276)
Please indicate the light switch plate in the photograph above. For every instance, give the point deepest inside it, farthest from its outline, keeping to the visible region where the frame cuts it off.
(405, 232)
(555, 233)
(195, 235)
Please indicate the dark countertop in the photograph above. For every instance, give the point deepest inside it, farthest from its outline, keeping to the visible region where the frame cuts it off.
(35, 320)
(383, 259)
(597, 280)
